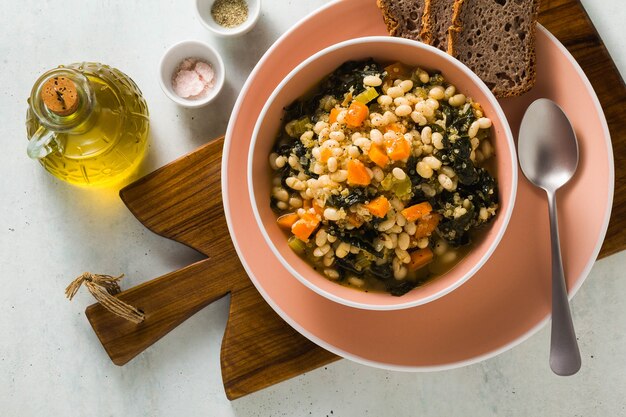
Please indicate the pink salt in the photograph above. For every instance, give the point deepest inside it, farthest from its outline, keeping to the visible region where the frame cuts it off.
(193, 79)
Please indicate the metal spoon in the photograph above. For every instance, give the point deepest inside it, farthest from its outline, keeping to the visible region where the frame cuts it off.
(548, 155)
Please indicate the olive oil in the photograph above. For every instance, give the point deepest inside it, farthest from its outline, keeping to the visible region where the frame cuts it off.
(87, 124)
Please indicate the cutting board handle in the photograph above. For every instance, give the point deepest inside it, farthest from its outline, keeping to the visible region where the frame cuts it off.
(166, 302)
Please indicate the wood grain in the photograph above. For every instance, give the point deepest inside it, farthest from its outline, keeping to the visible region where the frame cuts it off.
(182, 201)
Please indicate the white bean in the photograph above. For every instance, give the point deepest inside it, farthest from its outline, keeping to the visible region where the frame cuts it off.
(403, 110)
(376, 136)
(379, 175)
(419, 118)
(424, 170)
(437, 93)
(332, 164)
(384, 100)
(295, 184)
(400, 220)
(422, 243)
(319, 126)
(484, 122)
(331, 273)
(445, 182)
(342, 250)
(372, 81)
(399, 173)
(395, 229)
(273, 157)
(338, 136)
(321, 237)
(331, 214)
(457, 100)
(432, 103)
(339, 176)
(356, 282)
(353, 151)
(389, 117)
(426, 134)
(406, 85)
(394, 92)
(281, 194)
(449, 171)
(437, 139)
(295, 202)
(321, 251)
(473, 129)
(403, 255)
(403, 241)
(410, 228)
(386, 224)
(432, 162)
(399, 101)
(281, 205)
(449, 92)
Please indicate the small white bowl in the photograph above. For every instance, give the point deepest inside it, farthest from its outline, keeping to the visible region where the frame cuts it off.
(203, 11)
(173, 58)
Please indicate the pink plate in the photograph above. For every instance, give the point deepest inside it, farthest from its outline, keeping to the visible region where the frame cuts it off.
(509, 298)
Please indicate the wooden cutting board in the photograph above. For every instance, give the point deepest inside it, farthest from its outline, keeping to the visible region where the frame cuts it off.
(182, 201)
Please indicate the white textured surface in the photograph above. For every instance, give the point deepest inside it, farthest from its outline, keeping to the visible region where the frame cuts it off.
(51, 363)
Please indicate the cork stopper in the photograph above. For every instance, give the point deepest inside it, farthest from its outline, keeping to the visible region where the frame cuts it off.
(60, 96)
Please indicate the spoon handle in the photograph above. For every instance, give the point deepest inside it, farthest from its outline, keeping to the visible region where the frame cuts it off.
(564, 353)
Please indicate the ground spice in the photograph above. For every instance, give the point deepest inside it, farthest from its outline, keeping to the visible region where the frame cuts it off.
(229, 13)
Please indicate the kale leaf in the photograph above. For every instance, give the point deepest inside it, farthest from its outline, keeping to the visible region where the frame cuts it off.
(358, 195)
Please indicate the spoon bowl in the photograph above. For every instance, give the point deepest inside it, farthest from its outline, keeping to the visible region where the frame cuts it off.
(548, 156)
(548, 152)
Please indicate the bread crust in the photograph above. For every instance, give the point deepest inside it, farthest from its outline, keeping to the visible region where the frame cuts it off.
(427, 31)
(393, 22)
(390, 21)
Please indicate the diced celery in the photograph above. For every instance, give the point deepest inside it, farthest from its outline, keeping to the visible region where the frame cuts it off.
(368, 95)
(362, 261)
(296, 128)
(387, 182)
(402, 188)
(297, 245)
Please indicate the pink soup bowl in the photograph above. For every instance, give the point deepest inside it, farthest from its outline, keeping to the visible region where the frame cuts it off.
(307, 75)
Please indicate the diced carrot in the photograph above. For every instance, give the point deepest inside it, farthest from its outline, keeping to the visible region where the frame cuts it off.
(318, 209)
(420, 258)
(378, 155)
(287, 220)
(426, 225)
(357, 173)
(417, 211)
(379, 206)
(357, 113)
(304, 227)
(333, 115)
(306, 204)
(354, 220)
(398, 70)
(398, 148)
(325, 153)
(395, 127)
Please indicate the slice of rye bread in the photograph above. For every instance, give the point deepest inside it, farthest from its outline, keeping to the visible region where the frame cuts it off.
(404, 18)
(496, 39)
(437, 21)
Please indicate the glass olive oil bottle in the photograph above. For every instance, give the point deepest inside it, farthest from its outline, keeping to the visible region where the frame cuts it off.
(87, 124)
